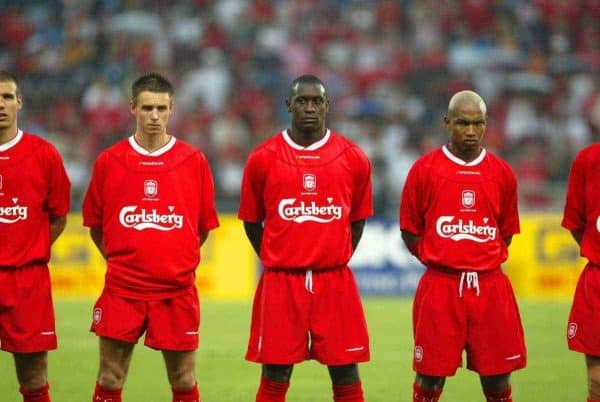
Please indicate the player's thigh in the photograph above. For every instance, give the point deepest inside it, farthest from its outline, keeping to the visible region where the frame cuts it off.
(338, 328)
(26, 311)
(496, 343)
(117, 318)
(173, 323)
(31, 369)
(280, 322)
(584, 318)
(439, 325)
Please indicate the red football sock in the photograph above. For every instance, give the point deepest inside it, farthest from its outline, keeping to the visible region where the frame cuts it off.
(348, 393)
(271, 391)
(424, 395)
(36, 395)
(593, 400)
(106, 395)
(502, 396)
(191, 395)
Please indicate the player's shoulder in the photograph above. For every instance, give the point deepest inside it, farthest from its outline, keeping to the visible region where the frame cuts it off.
(35, 143)
(433, 158)
(495, 160)
(268, 148)
(186, 150)
(345, 144)
(589, 153)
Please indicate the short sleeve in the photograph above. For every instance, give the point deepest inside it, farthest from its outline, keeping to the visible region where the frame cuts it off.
(252, 207)
(92, 202)
(208, 213)
(574, 215)
(411, 214)
(362, 196)
(509, 217)
(58, 201)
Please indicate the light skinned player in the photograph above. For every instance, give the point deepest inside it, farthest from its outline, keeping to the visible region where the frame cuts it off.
(150, 206)
(458, 215)
(34, 201)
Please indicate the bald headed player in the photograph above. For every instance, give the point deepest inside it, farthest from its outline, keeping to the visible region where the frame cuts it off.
(458, 214)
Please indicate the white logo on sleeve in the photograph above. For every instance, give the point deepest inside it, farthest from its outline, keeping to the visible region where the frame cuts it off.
(448, 228)
(13, 213)
(598, 224)
(303, 212)
(142, 220)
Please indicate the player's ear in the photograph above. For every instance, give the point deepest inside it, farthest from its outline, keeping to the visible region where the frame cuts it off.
(19, 102)
(132, 106)
(288, 104)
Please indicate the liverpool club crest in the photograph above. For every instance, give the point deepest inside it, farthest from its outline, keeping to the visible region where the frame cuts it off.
(309, 182)
(150, 188)
(468, 198)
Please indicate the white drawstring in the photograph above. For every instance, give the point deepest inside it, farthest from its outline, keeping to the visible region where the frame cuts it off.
(308, 282)
(472, 282)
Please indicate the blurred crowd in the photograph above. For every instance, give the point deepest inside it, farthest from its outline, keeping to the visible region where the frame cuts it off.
(390, 67)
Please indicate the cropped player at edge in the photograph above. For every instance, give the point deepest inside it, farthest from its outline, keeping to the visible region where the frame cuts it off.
(306, 193)
(582, 218)
(150, 206)
(34, 201)
(458, 214)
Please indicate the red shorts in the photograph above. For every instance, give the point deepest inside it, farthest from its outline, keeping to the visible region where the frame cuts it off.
(303, 315)
(584, 319)
(169, 324)
(26, 310)
(478, 313)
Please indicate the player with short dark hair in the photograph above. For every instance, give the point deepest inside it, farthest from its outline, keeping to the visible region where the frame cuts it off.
(150, 206)
(458, 214)
(306, 193)
(582, 218)
(34, 201)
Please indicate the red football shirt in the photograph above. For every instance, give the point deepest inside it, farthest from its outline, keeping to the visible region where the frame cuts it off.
(33, 188)
(151, 208)
(307, 198)
(582, 209)
(462, 211)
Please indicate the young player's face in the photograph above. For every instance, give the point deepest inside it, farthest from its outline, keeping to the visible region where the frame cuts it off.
(308, 108)
(152, 111)
(10, 104)
(467, 126)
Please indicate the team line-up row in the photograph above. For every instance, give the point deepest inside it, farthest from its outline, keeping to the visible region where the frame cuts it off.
(306, 194)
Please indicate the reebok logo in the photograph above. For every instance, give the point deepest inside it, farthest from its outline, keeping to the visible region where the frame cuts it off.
(290, 211)
(447, 228)
(143, 219)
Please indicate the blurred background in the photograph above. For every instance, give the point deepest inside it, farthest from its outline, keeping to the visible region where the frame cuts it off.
(390, 67)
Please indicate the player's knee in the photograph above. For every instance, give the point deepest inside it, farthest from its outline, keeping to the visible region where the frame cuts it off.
(430, 382)
(111, 378)
(594, 386)
(276, 372)
(33, 381)
(495, 383)
(344, 375)
(182, 379)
